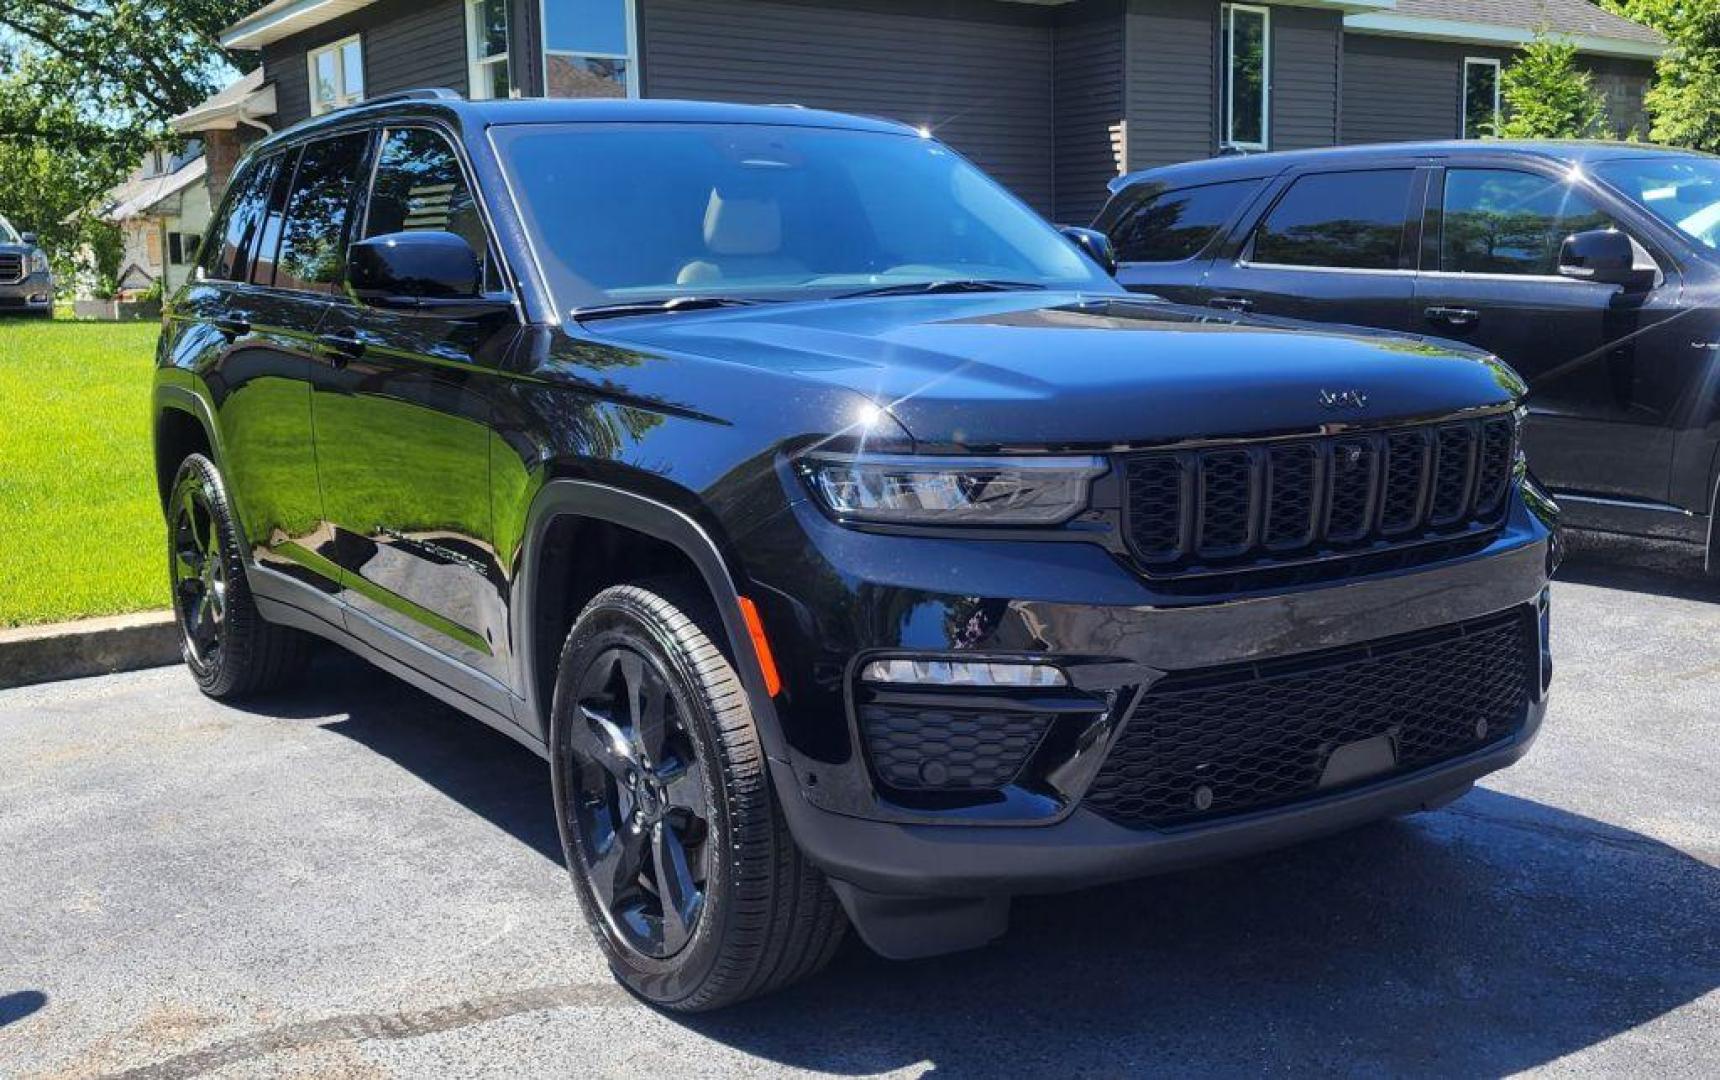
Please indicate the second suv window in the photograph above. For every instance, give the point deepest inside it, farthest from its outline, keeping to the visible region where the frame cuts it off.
(1353, 220)
(312, 257)
(1175, 225)
(1501, 221)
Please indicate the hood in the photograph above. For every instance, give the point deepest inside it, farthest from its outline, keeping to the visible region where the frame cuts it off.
(1047, 369)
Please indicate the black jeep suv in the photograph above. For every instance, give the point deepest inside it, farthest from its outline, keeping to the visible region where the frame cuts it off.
(850, 544)
(1591, 268)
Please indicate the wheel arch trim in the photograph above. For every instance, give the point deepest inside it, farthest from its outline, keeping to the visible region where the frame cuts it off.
(599, 502)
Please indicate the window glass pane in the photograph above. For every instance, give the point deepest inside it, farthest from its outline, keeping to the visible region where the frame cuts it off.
(1682, 191)
(586, 26)
(494, 82)
(1175, 225)
(1503, 222)
(490, 27)
(1245, 75)
(1480, 86)
(419, 187)
(586, 77)
(1353, 220)
(311, 256)
(352, 68)
(770, 211)
(230, 257)
(328, 78)
(269, 239)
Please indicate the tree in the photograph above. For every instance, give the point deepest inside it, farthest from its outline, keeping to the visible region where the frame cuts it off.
(86, 86)
(1684, 102)
(1547, 96)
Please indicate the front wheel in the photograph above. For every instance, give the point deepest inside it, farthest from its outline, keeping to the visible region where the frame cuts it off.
(231, 650)
(670, 828)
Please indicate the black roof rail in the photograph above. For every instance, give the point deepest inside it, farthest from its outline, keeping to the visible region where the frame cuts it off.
(428, 93)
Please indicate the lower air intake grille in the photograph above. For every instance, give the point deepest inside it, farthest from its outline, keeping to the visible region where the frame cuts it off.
(1207, 744)
(915, 747)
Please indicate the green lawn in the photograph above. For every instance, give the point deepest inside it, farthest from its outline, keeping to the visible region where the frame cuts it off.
(80, 529)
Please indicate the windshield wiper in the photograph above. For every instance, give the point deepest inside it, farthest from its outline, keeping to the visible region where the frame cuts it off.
(668, 306)
(954, 285)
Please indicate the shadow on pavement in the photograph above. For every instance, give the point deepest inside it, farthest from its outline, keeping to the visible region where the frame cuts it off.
(1659, 569)
(1496, 935)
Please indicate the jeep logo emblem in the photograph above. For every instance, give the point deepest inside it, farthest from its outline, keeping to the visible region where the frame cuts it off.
(1343, 399)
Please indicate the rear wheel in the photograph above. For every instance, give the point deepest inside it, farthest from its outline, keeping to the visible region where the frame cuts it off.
(231, 650)
(670, 828)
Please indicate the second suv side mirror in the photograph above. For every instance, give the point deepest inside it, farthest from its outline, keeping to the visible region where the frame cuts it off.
(29, 238)
(1095, 245)
(1606, 257)
(433, 270)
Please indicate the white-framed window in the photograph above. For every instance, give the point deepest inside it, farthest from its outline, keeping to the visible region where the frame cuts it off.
(1245, 105)
(590, 48)
(487, 40)
(337, 75)
(1480, 116)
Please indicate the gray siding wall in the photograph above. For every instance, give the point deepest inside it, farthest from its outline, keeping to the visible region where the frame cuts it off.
(1400, 89)
(1171, 80)
(977, 72)
(1087, 107)
(407, 44)
(1307, 59)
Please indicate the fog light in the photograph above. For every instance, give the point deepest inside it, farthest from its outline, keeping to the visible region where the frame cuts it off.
(963, 673)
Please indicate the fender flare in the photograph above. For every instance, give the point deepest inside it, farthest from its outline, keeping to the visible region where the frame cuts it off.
(186, 400)
(661, 521)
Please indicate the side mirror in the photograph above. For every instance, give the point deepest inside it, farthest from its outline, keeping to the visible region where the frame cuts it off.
(1095, 245)
(436, 270)
(1605, 257)
(29, 238)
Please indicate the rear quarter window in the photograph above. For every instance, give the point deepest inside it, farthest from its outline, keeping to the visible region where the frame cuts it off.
(1171, 226)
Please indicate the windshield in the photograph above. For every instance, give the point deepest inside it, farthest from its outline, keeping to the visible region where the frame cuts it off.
(9, 235)
(632, 213)
(1682, 191)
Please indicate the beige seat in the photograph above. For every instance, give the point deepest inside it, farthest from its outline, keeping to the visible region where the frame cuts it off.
(743, 239)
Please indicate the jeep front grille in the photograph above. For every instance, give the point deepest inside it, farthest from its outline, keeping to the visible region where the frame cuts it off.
(1224, 508)
(1207, 744)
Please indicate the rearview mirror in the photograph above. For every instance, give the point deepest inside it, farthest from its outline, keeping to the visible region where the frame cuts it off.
(437, 270)
(1605, 257)
(1095, 245)
(28, 238)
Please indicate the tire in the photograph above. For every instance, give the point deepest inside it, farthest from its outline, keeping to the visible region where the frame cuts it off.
(230, 649)
(758, 916)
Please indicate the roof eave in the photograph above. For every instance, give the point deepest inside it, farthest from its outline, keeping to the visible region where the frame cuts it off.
(1465, 32)
(277, 21)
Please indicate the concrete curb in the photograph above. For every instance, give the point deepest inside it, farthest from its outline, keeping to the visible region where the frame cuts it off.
(38, 654)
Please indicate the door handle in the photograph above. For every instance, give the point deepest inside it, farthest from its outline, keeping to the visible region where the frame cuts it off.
(342, 347)
(233, 325)
(1231, 303)
(1454, 316)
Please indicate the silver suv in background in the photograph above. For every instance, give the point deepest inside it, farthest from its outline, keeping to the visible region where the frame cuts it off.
(26, 280)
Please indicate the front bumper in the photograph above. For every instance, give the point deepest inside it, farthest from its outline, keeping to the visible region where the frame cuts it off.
(34, 292)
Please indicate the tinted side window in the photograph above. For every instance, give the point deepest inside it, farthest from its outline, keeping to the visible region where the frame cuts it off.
(1499, 221)
(313, 254)
(1351, 219)
(1175, 225)
(233, 238)
(419, 186)
(269, 235)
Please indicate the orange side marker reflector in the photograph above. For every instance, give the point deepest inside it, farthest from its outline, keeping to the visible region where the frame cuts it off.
(761, 646)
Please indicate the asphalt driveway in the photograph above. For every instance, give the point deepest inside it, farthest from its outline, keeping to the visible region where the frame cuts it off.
(357, 882)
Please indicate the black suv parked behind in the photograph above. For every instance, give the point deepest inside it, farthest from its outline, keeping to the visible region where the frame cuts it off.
(851, 545)
(1590, 268)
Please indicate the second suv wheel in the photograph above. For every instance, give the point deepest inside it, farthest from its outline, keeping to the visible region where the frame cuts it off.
(231, 649)
(669, 825)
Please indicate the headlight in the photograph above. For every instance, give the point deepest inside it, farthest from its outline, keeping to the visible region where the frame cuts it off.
(912, 490)
(38, 262)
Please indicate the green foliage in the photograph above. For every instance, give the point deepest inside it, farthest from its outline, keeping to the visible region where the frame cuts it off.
(1684, 102)
(1547, 96)
(85, 89)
